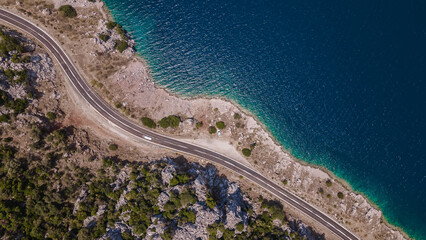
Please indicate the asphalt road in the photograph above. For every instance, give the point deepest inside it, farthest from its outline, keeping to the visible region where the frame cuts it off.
(136, 130)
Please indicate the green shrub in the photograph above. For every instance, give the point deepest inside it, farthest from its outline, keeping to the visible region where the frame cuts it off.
(321, 190)
(17, 105)
(4, 118)
(199, 125)
(3, 97)
(169, 207)
(110, 25)
(210, 202)
(170, 121)
(121, 45)
(15, 58)
(7, 44)
(239, 227)
(179, 179)
(285, 181)
(328, 183)
(188, 197)
(113, 147)
(212, 230)
(212, 130)
(107, 162)
(340, 195)
(51, 115)
(237, 116)
(246, 152)
(103, 37)
(220, 125)
(120, 31)
(118, 105)
(67, 11)
(148, 122)
(15, 77)
(187, 216)
(26, 59)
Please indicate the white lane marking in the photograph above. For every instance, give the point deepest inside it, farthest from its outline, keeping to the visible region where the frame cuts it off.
(101, 107)
(168, 142)
(180, 146)
(199, 151)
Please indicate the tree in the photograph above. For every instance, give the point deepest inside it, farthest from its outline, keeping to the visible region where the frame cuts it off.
(328, 183)
(68, 11)
(246, 152)
(220, 125)
(148, 122)
(340, 195)
(170, 121)
(212, 130)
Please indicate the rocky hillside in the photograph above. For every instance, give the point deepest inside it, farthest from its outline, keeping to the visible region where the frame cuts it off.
(57, 183)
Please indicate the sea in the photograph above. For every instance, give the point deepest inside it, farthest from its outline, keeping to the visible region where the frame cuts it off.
(340, 84)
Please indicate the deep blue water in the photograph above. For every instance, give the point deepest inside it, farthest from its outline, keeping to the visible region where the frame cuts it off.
(340, 84)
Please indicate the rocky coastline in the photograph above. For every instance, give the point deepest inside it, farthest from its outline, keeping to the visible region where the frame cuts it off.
(129, 87)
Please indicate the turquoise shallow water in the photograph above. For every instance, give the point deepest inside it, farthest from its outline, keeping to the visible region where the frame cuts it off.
(340, 84)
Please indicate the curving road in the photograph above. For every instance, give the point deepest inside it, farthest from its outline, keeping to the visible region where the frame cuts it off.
(136, 130)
